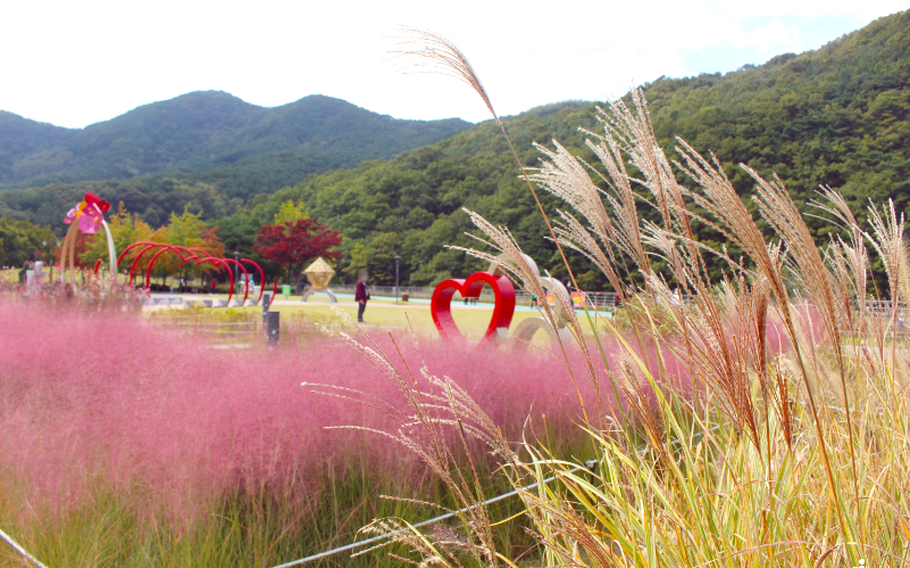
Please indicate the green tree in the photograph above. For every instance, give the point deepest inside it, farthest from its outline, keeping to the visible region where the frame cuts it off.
(24, 241)
(289, 212)
(187, 230)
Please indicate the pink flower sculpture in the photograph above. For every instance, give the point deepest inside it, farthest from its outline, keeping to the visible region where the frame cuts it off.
(89, 214)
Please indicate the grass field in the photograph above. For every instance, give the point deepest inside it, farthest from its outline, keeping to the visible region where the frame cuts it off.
(472, 321)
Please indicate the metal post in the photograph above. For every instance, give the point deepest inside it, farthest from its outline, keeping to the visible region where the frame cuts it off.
(43, 253)
(397, 258)
(272, 329)
(54, 262)
(266, 302)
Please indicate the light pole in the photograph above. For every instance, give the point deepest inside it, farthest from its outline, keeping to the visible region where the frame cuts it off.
(397, 258)
(54, 260)
(43, 254)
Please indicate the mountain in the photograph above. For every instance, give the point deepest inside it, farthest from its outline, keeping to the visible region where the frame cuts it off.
(839, 115)
(20, 137)
(214, 137)
(411, 205)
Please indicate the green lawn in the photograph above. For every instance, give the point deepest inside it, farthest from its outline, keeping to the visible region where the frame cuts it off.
(472, 322)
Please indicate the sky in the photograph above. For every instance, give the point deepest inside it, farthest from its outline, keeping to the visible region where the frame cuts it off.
(76, 63)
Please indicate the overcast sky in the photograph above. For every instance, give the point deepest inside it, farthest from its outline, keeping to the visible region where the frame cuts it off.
(77, 63)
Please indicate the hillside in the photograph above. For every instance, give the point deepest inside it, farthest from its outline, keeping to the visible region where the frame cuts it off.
(211, 137)
(20, 137)
(411, 205)
(839, 115)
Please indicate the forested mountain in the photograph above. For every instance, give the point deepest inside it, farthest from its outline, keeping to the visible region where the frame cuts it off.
(211, 137)
(839, 115)
(20, 137)
(411, 205)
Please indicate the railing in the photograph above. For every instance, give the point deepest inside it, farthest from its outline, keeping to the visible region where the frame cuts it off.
(882, 308)
(599, 300)
(221, 334)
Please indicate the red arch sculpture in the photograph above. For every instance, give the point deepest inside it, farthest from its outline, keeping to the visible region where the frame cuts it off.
(136, 260)
(164, 249)
(192, 254)
(148, 246)
(220, 261)
(176, 249)
(246, 288)
(261, 278)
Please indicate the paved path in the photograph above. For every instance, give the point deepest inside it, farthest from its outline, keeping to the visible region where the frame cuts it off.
(345, 300)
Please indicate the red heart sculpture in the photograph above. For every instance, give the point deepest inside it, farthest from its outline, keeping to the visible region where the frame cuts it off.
(503, 307)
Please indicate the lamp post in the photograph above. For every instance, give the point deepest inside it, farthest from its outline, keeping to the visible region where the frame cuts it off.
(43, 254)
(54, 259)
(397, 258)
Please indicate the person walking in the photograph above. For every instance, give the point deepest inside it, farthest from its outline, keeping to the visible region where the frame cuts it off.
(361, 295)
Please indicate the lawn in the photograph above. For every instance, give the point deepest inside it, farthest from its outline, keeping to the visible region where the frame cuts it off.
(471, 320)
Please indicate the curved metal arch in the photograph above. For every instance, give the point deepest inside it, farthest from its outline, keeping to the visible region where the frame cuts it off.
(216, 262)
(149, 245)
(246, 290)
(136, 244)
(261, 278)
(192, 253)
(131, 247)
(68, 250)
(136, 260)
(176, 249)
(164, 249)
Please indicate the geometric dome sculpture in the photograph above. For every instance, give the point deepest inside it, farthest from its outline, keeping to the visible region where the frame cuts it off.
(319, 273)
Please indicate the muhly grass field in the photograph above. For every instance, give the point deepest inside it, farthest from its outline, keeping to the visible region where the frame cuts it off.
(126, 443)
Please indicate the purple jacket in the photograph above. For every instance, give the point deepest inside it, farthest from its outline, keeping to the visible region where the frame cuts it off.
(361, 292)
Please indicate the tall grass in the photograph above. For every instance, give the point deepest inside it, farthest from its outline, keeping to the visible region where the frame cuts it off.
(794, 448)
(124, 444)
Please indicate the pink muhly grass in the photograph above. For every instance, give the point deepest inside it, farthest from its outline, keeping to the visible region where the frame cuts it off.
(89, 397)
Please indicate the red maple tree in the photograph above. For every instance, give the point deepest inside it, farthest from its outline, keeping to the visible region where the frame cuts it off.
(293, 243)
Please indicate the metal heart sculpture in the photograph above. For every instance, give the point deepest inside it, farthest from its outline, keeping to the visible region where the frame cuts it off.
(470, 287)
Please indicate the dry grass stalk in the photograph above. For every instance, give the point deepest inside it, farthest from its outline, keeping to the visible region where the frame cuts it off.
(676, 510)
